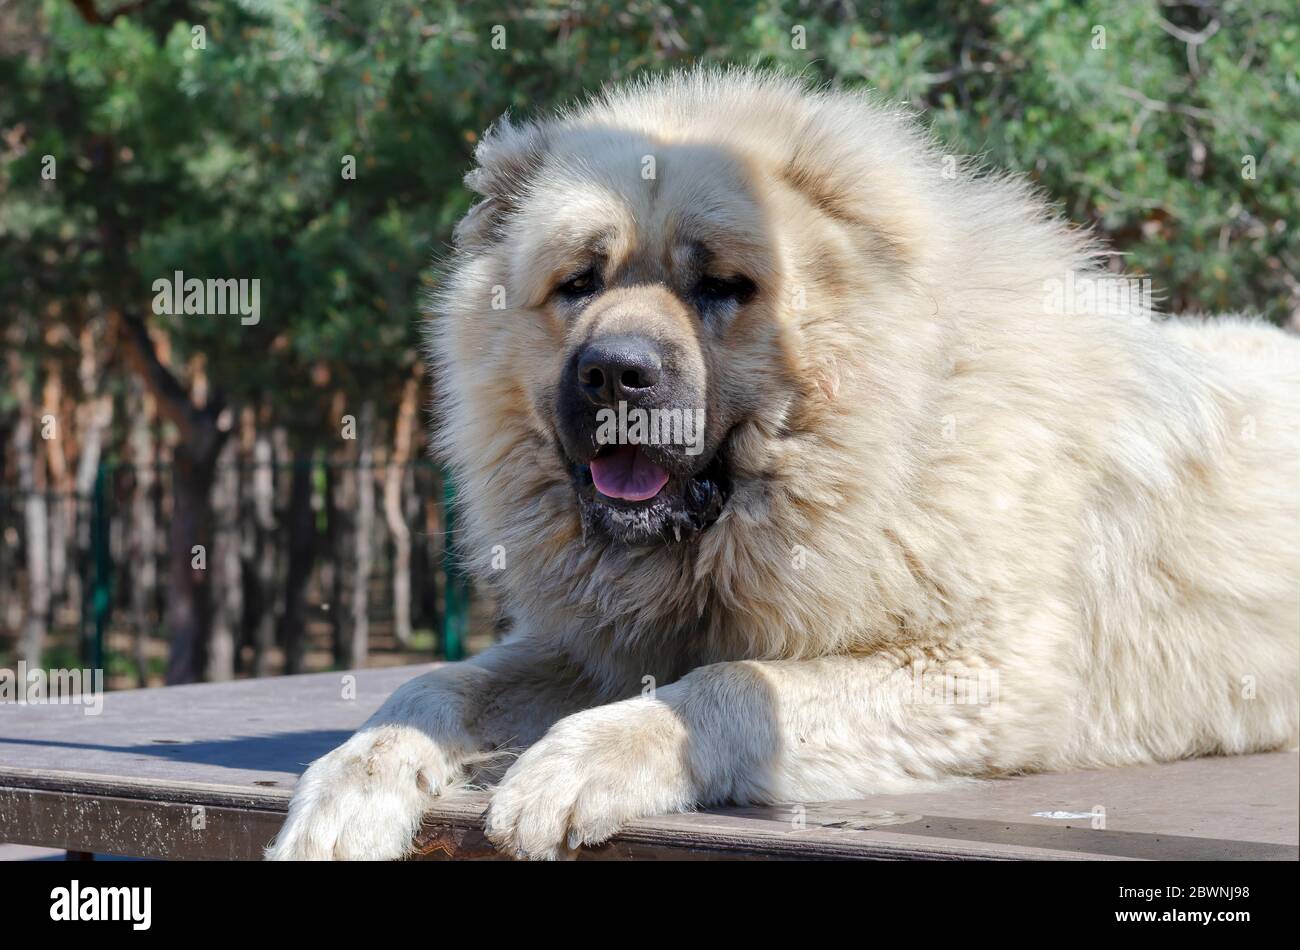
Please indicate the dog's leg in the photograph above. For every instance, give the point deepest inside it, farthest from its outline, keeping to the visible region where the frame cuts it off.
(365, 799)
(751, 732)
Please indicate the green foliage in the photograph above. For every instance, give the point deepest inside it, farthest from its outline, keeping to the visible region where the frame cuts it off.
(225, 161)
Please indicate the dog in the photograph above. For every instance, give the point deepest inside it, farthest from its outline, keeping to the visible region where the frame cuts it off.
(931, 494)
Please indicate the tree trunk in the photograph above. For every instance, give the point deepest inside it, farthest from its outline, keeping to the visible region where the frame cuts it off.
(31, 488)
(394, 478)
(302, 551)
(365, 529)
(263, 491)
(226, 567)
(11, 595)
(187, 616)
(341, 493)
(413, 507)
(434, 541)
(144, 535)
(202, 431)
(59, 488)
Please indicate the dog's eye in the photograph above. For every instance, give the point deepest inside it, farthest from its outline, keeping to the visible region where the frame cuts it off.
(580, 284)
(713, 290)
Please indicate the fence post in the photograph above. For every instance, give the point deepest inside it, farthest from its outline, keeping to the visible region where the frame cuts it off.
(455, 614)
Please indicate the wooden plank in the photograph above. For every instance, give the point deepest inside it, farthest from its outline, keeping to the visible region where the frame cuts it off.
(207, 771)
(228, 826)
(147, 828)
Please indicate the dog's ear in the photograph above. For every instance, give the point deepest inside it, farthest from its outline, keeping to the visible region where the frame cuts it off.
(506, 159)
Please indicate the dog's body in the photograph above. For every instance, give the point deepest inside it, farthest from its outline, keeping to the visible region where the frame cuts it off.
(956, 517)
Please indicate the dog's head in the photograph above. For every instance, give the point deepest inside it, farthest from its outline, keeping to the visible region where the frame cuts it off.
(640, 321)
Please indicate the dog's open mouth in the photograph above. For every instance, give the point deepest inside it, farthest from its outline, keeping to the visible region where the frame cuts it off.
(628, 495)
(625, 473)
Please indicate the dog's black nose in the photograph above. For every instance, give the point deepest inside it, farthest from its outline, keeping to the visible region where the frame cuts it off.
(622, 368)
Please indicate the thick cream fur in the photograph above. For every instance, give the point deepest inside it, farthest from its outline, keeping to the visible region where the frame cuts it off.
(936, 473)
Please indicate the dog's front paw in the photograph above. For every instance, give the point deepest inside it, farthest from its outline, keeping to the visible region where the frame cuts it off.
(591, 773)
(365, 799)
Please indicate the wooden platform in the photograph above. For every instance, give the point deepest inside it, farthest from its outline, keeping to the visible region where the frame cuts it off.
(207, 771)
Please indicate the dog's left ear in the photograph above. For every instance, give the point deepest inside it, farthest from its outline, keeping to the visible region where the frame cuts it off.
(506, 160)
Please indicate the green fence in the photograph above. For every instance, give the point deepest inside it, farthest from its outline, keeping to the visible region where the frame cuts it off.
(113, 545)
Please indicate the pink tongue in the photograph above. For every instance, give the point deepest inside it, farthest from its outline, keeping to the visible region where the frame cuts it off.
(627, 474)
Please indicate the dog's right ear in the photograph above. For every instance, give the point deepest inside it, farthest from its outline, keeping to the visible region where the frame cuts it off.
(506, 160)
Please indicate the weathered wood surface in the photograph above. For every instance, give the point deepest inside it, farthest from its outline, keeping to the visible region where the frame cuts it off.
(207, 772)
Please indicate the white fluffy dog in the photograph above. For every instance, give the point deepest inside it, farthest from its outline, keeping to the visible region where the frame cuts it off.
(962, 508)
